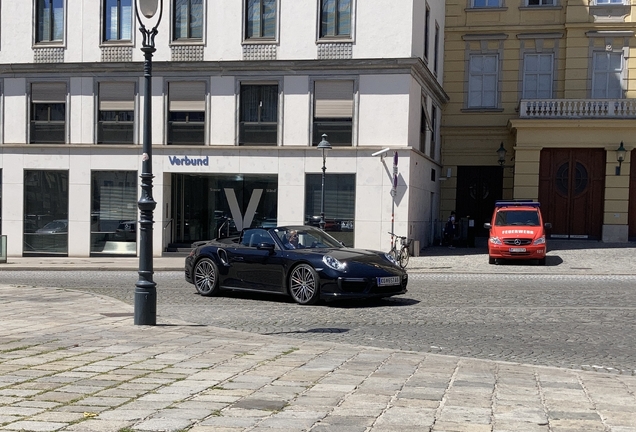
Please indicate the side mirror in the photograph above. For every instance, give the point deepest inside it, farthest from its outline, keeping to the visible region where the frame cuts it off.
(487, 225)
(266, 246)
(548, 225)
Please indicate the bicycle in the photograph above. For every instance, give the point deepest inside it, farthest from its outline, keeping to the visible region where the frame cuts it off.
(402, 255)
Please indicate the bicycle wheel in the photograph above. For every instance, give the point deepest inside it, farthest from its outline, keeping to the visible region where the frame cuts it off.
(394, 253)
(404, 258)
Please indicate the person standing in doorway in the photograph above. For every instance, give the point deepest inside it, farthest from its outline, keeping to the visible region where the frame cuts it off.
(450, 230)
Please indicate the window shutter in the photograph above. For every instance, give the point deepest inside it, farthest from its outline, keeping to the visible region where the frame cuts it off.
(119, 96)
(187, 96)
(333, 99)
(49, 92)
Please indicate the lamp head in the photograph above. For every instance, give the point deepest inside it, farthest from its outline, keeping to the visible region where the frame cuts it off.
(620, 153)
(324, 144)
(501, 152)
(148, 7)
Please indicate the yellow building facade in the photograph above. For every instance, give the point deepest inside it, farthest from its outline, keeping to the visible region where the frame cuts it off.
(553, 82)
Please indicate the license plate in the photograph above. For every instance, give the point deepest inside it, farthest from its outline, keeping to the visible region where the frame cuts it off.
(391, 280)
(517, 249)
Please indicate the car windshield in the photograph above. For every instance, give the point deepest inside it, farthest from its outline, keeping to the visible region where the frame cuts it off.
(306, 237)
(517, 218)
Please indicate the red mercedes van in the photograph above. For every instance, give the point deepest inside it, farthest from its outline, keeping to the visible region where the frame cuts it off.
(517, 231)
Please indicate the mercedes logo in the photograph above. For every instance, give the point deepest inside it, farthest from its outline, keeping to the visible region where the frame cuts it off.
(517, 242)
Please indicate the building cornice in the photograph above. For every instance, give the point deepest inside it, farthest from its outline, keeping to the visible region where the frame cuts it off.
(411, 65)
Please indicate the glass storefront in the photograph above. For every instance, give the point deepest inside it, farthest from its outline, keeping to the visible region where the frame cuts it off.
(45, 212)
(340, 203)
(114, 213)
(205, 207)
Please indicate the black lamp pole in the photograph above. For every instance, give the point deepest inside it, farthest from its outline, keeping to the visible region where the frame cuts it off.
(323, 145)
(146, 291)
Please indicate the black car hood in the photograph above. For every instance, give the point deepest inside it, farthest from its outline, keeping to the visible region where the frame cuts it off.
(353, 257)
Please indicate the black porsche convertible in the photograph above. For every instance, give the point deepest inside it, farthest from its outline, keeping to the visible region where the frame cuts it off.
(301, 261)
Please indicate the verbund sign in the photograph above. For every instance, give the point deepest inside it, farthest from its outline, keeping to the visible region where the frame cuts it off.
(189, 161)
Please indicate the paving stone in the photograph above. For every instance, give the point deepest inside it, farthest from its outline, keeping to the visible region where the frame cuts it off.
(120, 414)
(162, 424)
(19, 411)
(96, 425)
(34, 426)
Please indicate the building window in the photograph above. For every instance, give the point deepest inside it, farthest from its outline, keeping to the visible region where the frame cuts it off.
(114, 212)
(258, 114)
(335, 18)
(433, 148)
(427, 29)
(45, 212)
(260, 19)
(537, 76)
(117, 20)
(116, 120)
(607, 75)
(340, 203)
(486, 3)
(425, 126)
(207, 206)
(48, 113)
(186, 113)
(436, 50)
(50, 20)
(188, 19)
(482, 81)
(540, 2)
(333, 112)
(609, 2)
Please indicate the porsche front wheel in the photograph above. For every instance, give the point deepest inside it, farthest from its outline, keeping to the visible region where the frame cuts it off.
(304, 285)
(206, 277)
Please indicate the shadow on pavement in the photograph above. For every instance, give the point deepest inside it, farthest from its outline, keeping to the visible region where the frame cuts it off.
(550, 261)
(554, 245)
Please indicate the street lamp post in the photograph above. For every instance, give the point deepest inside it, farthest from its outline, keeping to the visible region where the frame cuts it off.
(145, 291)
(324, 146)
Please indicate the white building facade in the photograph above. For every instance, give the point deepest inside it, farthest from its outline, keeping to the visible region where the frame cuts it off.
(243, 92)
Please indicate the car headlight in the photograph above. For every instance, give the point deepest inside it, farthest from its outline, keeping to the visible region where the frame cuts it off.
(333, 263)
(391, 258)
(495, 241)
(539, 241)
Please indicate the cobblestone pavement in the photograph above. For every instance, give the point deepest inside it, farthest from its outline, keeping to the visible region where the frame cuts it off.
(72, 361)
(576, 321)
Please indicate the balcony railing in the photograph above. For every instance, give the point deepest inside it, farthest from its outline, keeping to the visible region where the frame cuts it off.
(577, 108)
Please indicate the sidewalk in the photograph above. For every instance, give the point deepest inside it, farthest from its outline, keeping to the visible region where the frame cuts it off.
(73, 361)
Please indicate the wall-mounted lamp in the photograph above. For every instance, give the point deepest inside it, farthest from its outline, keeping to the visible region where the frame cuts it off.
(501, 152)
(620, 157)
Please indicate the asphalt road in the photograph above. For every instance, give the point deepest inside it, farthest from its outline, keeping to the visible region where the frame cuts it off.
(574, 321)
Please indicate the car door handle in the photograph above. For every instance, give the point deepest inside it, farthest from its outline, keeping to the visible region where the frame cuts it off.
(238, 258)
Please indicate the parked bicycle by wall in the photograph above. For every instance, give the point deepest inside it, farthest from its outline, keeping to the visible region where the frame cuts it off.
(401, 255)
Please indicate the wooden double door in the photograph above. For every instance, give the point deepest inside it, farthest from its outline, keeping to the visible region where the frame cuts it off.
(571, 191)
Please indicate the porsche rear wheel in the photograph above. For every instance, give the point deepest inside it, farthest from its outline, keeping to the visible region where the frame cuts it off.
(304, 285)
(206, 277)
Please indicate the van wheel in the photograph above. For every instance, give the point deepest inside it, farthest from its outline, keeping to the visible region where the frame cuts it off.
(492, 260)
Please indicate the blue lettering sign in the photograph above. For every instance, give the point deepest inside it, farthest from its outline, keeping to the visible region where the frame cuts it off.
(201, 161)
